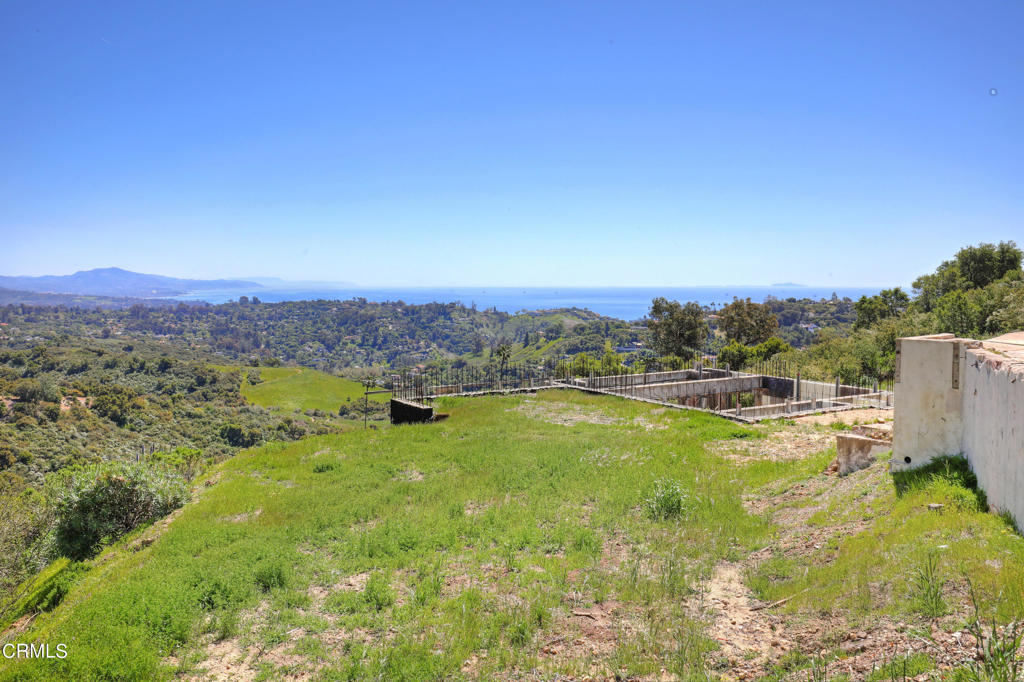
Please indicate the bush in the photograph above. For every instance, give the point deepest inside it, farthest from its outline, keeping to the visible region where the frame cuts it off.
(378, 592)
(270, 574)
(98, 504)
(239, 437)
(184, 460)
(115, 403)
(666, 501)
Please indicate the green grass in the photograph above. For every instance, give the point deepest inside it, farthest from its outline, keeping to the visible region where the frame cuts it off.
(901, 563)
(295, 388)
(544, 503)
(476, 537)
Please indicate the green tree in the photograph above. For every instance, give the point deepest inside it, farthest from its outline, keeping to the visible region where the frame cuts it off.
(677, 329)
(887, 303)
(611, 362)
(735, 354)
(115, 403)
(1010, 314)
(972, 267)
(747, 323)
(770, 348)
(985, 263)
(956, 313)
(504, 354)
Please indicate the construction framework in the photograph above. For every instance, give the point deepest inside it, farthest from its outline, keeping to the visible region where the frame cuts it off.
(741, 396)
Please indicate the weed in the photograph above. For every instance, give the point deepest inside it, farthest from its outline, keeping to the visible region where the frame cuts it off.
(818, 672)
(666, 501)
(271, 573)
(998, 649)
(429, 586)
(690, 652)
(901, 669)
(378, 593)
(519, 629)
(225, 625)
(673, 576)
(927, 587)
(585, 541)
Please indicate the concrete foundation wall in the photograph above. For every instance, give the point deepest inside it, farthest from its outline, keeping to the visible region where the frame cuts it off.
(684, 389)
(929, 401)
(993, 434)
(960, 396)
(620, 380)
(408, 412)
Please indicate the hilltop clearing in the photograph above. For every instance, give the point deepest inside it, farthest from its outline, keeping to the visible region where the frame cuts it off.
(506, 543)
(297, 388)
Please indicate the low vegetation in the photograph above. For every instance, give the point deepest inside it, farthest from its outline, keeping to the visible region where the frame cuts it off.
(556, 533)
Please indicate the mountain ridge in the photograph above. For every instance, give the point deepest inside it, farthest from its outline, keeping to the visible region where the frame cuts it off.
(118, 282)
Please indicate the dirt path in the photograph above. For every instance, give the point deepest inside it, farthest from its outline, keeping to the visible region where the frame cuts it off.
(754, 636)
(745, 632)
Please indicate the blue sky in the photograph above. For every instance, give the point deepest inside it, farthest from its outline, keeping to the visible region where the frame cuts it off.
(590, 143)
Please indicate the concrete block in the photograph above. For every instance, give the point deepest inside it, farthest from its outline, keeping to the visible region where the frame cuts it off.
(854, 452)
(881, 432)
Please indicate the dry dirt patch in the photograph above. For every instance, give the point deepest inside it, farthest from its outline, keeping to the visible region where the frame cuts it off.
(565, 414)
(243, 517)
(741, 627)
(863, 416)
(783, 445)
(411, 475)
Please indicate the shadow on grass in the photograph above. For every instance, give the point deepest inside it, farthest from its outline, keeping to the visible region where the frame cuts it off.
(952, 470)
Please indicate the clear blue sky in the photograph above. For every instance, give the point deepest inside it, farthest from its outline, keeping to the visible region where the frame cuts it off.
(548, 143)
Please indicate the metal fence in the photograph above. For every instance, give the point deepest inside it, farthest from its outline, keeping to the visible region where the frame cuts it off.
(423, 383)
(761, 390)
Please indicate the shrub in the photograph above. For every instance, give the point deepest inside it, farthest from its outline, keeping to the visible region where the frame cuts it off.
(378, 592)
(115, 403)
(186, 461)
(238, 436)
(270, 574)
(666, 501)
(98, 504)
(25, 521)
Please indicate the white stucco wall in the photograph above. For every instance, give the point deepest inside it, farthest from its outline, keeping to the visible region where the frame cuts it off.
(993, 434)
(972, 406)
(929, 410)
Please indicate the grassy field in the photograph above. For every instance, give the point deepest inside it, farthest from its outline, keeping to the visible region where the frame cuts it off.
(297, 388)
(535, 536)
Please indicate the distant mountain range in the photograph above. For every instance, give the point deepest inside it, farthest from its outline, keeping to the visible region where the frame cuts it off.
(121, 283)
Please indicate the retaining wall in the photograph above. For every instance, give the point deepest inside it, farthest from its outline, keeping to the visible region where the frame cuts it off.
(961, 396)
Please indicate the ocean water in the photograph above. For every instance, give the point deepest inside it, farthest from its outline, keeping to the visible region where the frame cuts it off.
(625, 303)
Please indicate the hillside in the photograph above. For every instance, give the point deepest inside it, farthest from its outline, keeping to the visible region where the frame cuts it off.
(325, 335)
(300, 390)
(530, 536)
(16, 297)
(118, 282)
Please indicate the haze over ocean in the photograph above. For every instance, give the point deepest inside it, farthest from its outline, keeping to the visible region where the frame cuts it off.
(626, 303)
